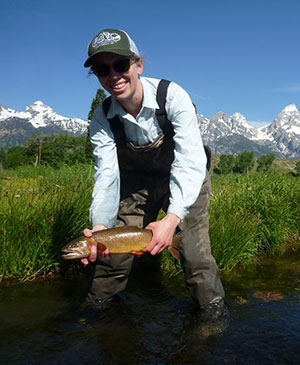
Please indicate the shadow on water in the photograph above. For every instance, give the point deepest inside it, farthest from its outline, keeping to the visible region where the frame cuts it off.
(45, 322)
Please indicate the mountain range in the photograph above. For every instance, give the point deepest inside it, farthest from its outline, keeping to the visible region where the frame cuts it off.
(16, 127)
(233, 134)
(223, 133)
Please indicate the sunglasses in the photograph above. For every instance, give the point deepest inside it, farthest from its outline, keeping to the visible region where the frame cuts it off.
(120, 66)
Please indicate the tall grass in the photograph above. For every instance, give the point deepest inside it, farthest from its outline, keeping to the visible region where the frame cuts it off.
(40, 210)
(43, 208)
(252, 214)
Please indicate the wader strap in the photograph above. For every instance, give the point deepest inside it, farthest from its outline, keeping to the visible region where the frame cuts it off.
(208, 156)
(115, 123)
(161, 113)
(163, 121)
(106, 105)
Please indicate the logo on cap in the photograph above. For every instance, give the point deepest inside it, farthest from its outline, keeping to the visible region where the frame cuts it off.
(105, 38)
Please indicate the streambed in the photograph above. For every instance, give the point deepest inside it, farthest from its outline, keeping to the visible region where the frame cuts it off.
(44, 322)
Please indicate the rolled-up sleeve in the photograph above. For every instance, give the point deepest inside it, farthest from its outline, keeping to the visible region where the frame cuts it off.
(189, 166)
(106, 192)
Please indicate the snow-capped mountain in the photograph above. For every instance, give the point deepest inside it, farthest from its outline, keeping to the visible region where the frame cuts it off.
(41, 115)
(284, 132)
(223, 133)
(222, 125)
(38, 118)
(232, 134)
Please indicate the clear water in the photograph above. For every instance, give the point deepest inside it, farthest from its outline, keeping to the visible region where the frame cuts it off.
(154, 323)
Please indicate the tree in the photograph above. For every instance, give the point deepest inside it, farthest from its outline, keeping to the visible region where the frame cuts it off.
(57, 149)
(34, 146)
(225, 165)
(264, 162)
(97, 100)
(16, 156)
(2, 157)
(244, 162)
(298, 168)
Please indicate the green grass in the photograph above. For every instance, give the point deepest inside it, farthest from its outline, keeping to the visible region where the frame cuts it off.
(40, 210)
(43, 208)
(252, 214)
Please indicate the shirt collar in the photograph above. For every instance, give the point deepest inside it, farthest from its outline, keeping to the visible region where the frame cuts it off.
(115, 109)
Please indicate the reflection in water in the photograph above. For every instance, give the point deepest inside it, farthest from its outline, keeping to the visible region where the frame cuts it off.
(155, 322)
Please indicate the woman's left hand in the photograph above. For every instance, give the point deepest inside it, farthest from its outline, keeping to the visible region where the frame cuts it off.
(163, 232)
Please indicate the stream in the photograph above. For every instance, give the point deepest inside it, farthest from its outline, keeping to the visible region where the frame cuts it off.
(45, 321)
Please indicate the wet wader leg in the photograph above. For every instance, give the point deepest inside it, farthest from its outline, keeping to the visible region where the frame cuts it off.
(110, 277)
(201, 272)
(112, 272)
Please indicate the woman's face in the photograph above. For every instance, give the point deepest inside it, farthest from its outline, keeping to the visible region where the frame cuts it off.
(124, 86)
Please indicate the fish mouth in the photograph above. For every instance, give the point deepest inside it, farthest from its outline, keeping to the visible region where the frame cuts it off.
(73, 254)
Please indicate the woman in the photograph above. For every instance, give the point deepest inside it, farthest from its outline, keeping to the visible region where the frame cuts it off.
(142, 167)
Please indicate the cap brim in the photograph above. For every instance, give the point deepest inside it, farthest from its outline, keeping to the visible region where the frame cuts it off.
(120, 52)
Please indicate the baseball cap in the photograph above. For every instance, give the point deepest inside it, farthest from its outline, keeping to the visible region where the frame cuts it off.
(113, 41)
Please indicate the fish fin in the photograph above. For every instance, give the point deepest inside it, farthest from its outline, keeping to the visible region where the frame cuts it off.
(177, 240)
(174, 252)
(101, 247)
(174, 248)
(137, 253)
(90, 241)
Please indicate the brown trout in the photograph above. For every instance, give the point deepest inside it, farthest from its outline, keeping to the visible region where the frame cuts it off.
(118, 240)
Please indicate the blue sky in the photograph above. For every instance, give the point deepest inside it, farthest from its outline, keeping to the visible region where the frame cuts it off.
(230, 55)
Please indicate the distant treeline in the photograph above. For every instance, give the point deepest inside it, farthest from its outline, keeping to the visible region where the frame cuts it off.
(243, 163)
(246, 162)
(57, 150)
(54, 151)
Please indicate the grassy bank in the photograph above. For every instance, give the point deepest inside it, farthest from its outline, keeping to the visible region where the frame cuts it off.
(42, 208)
(252, 215)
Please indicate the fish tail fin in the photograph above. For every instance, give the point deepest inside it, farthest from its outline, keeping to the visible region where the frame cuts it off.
(177, 240)
(174, 252)
(174, 248)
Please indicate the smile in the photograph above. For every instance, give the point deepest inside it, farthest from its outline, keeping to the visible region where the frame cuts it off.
(120, 86)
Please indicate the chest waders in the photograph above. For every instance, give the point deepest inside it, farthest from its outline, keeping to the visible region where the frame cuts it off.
(145, 174)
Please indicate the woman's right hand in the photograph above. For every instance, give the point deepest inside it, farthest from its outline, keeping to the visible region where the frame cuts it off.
(93, 248)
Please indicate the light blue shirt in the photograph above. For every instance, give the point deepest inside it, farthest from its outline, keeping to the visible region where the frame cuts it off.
(189, 165)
